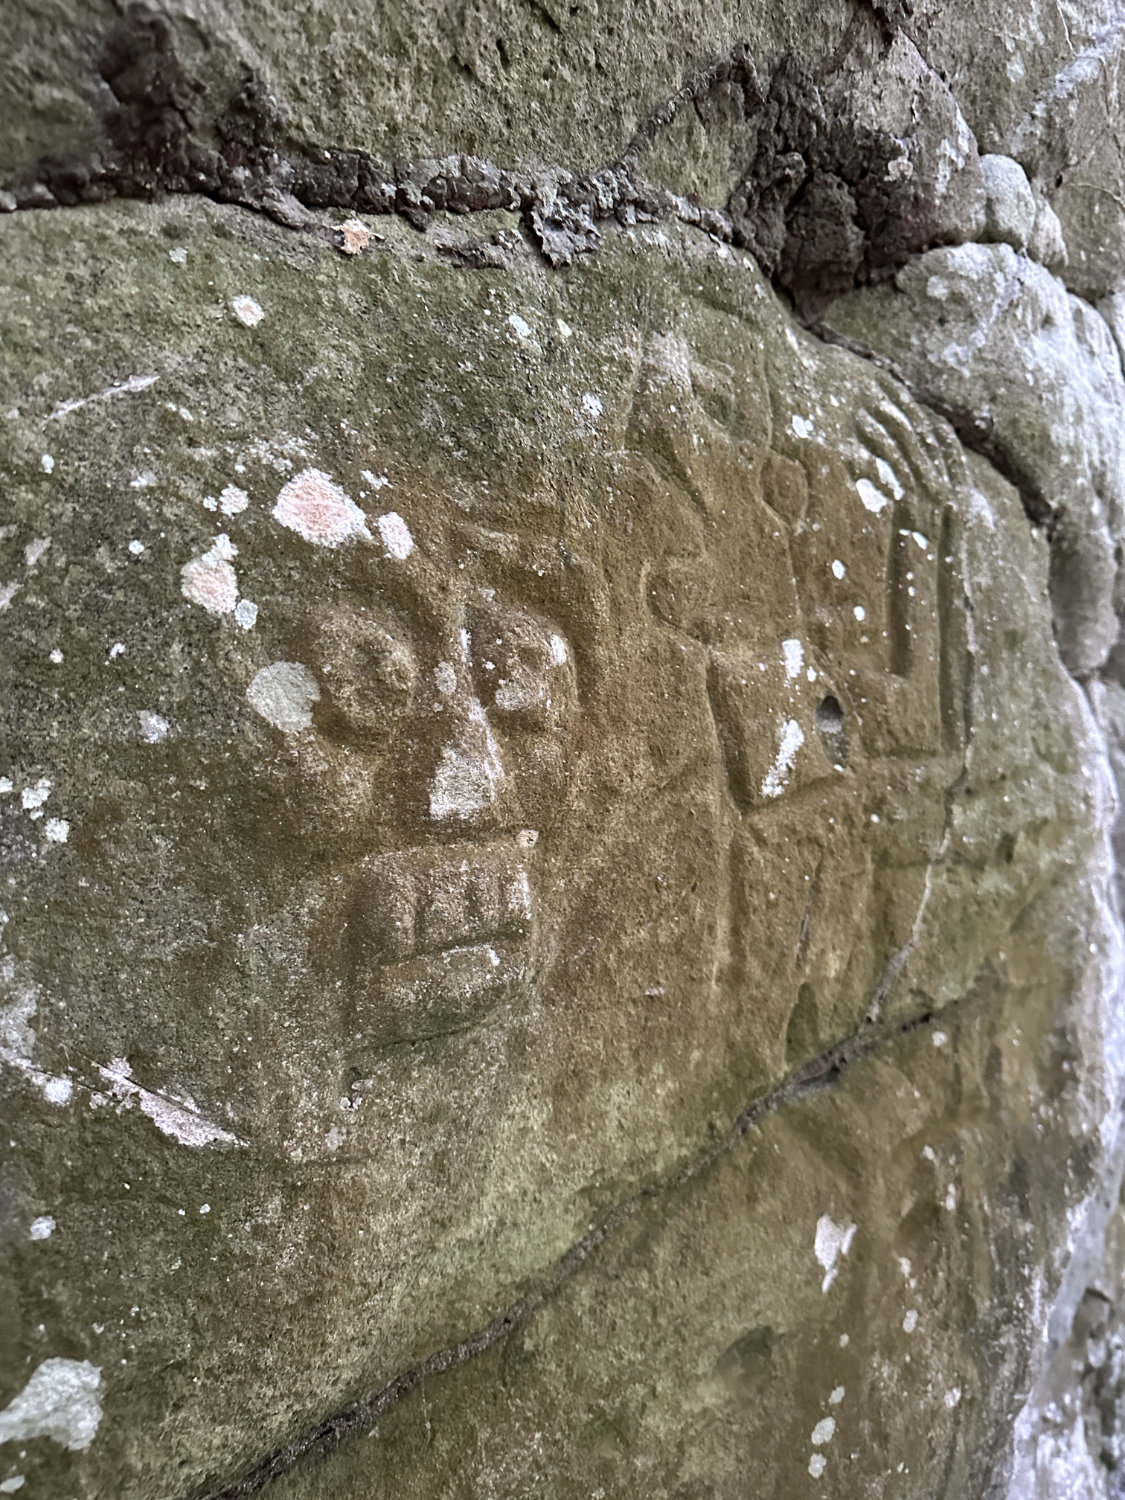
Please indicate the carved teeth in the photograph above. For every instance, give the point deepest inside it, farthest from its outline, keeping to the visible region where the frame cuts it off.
(431, 900)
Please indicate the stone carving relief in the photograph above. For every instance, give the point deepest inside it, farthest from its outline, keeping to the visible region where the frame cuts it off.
(528, 763)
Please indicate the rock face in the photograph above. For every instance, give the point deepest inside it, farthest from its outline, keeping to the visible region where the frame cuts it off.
(560, 712)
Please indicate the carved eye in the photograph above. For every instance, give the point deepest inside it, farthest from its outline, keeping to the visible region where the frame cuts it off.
(369, 672)
(522, 668)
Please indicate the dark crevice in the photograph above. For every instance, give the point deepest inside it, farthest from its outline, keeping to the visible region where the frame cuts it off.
(815, 202)
(365, 1411)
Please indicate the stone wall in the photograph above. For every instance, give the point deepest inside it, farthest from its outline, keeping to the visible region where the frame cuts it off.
(560, 717)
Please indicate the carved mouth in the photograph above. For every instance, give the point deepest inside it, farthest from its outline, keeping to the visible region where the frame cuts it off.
(437, 900)
(438, 938)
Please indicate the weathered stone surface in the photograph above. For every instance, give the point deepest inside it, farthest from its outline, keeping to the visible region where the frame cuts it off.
(1032, 376)
(835, 138)
(626, 719)
(559, 715)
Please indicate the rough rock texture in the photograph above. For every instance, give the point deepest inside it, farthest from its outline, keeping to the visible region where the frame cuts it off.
(559, 721)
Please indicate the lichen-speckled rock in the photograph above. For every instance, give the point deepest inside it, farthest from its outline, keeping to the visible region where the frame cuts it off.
(561, 698)
(468, 748)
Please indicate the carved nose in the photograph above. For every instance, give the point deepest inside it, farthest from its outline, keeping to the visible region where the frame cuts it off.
(467, 783)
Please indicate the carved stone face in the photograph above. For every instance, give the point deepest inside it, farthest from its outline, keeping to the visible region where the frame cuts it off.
(452, 723)
(450, 745)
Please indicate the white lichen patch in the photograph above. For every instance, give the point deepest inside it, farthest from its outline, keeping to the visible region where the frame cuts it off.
(889, 478)
(284, 694)
(47, 464)
(20, 997)
(32, 798)
(910, 1321)
(12, 1485)
(41, 1228)
(233, 501)
(777, 777)
(832, 1241)
(246, 614)
(823, 1432)
(838, 569)
(817, 1464)
(57, 830)
(210, 580)
(837, 1395)
(60, 1401)
(445, 678)
(873, 499)
(592, 405)
(801, 427)
(376, 481)
(247, 311)
(467, 779)
(35, 550)
(154, 727)
(522, 328)
(794, 655)
(314, 506)
(176, 1116)
(395, 535)
(352, 236)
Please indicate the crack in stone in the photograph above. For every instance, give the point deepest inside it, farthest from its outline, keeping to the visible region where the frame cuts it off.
(361, 1414)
